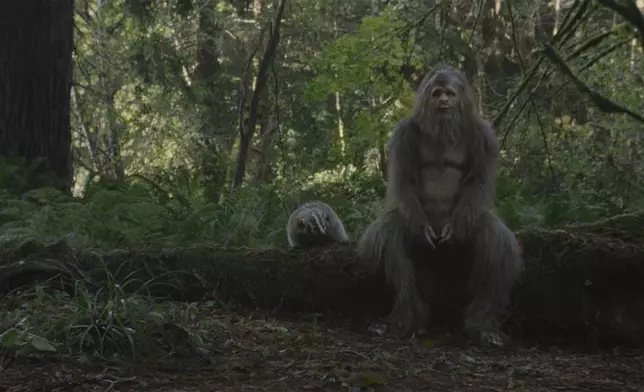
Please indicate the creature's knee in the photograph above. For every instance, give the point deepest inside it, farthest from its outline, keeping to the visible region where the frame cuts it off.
(496, 241)
(383, 236)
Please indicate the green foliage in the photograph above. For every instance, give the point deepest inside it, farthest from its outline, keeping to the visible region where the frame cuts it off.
(340, 81)
(366, 66)
(106, 325)
(163, 211)
(17, 176)
(162, 78)
(348, 63)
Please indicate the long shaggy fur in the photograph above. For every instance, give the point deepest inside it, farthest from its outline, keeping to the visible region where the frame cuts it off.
(314, 223)
(383, 246)
(424, 142)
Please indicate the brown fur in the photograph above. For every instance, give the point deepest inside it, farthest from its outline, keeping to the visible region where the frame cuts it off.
(442, 171)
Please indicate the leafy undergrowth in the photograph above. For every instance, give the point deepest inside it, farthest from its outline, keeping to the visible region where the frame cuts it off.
(185, 347)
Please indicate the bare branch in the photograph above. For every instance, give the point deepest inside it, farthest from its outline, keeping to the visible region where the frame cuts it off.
(604, 104)
(524, 83)
(630, 12)
(571, 22)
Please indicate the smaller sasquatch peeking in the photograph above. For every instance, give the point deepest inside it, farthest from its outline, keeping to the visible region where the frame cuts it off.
(440, 189)
(314, 223)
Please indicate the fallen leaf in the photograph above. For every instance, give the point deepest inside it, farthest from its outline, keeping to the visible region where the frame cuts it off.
(11, 337)
(42, 344)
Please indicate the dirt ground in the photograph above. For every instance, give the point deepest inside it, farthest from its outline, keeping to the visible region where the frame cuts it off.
(255, 352)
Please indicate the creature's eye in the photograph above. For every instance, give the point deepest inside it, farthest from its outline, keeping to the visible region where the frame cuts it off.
(451, 93)
(436, 93)
(300, 224)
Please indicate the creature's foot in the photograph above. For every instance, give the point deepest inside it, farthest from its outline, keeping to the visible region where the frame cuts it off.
(409, 321)
(485, 334)
(489, 339)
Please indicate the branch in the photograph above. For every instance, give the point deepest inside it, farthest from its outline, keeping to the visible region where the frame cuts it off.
(531, 100)
(604, 104)
(262, 73)
(277, 101)
(572, 21)
(524, 83)
(630, 12)
(243, 90)
(247, 130)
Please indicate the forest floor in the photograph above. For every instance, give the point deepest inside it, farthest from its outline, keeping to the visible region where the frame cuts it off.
(254, 351)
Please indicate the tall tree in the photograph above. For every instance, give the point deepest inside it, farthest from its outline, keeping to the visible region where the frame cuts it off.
(36, 39)
(247, 127)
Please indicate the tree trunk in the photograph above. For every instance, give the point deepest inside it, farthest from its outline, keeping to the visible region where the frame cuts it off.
(36, 40)
(214, 162)
(247, 130)
(263, 170)
(242, 158)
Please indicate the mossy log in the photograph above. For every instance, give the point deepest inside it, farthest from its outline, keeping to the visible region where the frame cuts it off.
(577, 286)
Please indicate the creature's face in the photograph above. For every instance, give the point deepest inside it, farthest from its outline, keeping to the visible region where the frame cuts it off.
(314, 223)
(444, 106)
(445, 93)
(443, 100)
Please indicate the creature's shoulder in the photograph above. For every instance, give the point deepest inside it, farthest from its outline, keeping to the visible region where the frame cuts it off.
(486, 127)
(404, 130)
(488, 137)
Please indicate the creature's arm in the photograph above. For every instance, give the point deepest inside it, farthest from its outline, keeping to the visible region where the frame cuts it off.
(477, 190)
(402, 181)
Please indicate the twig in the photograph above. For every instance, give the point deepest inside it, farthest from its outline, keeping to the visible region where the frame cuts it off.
(571, 22)
(524, 82)
(117, 380)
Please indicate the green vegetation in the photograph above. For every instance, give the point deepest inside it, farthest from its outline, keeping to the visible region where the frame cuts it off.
(162, 162)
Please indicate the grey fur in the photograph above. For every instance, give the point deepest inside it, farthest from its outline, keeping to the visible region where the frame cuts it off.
(318, 225)
(427, 187)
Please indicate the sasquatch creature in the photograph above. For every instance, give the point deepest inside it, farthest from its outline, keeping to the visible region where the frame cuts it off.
(314, 223)
(440, 189)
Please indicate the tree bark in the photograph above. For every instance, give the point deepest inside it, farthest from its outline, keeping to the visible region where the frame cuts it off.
(36, 39)
(247, 130)
(216, 146)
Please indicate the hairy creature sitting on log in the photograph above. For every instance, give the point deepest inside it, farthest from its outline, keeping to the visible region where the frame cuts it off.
(441, 179)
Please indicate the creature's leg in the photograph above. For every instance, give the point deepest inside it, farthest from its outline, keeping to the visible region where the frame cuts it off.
(383, 246)
(497, 266)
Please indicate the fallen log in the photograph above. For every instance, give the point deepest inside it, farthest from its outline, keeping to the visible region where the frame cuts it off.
(577, 287)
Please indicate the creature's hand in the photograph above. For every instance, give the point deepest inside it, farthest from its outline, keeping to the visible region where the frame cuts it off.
(446, 233)
(430, 236)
